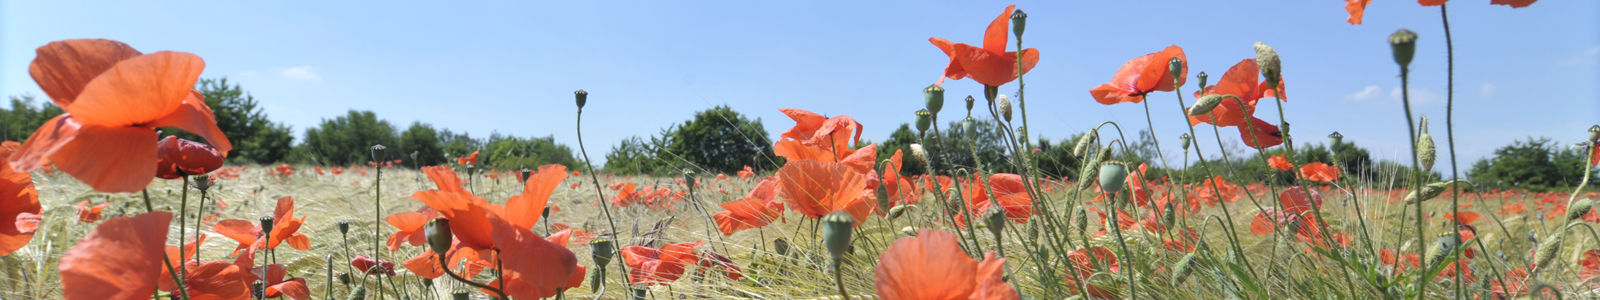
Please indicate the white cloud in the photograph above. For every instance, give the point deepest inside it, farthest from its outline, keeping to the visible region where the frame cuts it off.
(1419, 96)
(1486, 90)
(1368, 94)
(1588, 56)
(302, 73)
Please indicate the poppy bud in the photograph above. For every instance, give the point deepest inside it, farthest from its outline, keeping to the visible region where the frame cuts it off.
(935, 98)
(1033, 230)
(1169, 214)
(1548, 250)
(996, 218)
(780, 246)
(1426, 151)
(439, 235)
(1105, 152)
(344, 278)
(924, 120)
(582, 97)
(1111, 176)
(344, 227)
(1083, 143)
(970, 127)
(989, 93)
(1579, 209)
(1271, 67)
(359, 294)
(1335, 138)
(1183, 269)
(464, 294)
(1004, 103)
(1442, 247)
(920, 153)
(1176, 66)
(970, 100)
(1184, 140)
(258, 289)
(1404, 44)
(1594, 133)
(1080, 217)
(601, 250)
(836, 232)
(595, 280)
(898, 210)
(908, 231)
(883, 196)
(1205, 105)
(266, 226)
(1019, 21)
(1202, 76)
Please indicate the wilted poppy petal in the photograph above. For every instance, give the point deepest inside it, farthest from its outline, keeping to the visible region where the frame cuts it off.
(110, 159)
(120, 259)
(63, 68)
(928, 266)
(138, 90)
(19, 205)
(195, 117)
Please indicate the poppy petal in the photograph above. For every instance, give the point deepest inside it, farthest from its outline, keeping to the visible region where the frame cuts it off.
(991, 280)
(293, 288)
(524, 210)
(999, 30)
(49, 138)
(110, 159)
(138, 90)
(928, 266)
(120, 259)
(197, 118)
(534, 260)
(217, 280)
(63, 68)
(19, 205)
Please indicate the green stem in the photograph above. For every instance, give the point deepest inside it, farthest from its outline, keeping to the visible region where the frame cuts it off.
(602, 196)
(148, 207)
(1416, 175)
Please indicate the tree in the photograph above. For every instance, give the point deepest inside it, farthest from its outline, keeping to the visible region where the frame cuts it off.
(514, 153)
(986, 139)
(720, 140)
(19, 122)
(255, 138)
(348, 139)
(420, 145)
(634, 156)
(1536, 165)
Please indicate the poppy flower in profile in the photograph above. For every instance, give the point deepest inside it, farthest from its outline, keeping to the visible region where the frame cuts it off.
(1260, 134)
(273, 275)
(19, 205)
(468, 160)
(932, 266)
(746, 173)
(1319, 172)
(372, 266)
(524, 210)
(990, 65)
(651, 266)
(285, 228)
(1280, 163)
(757, 209)
(120, 259)
(1142, 75)
(177, 157)
(1243, 80)
(815, 188)
(1011, 195)
(410, 225)
(900, 188)
(211, 280)
(114, 98)
(713, 261)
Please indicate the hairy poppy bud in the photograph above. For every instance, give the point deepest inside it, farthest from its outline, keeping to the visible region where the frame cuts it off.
(900, 210)
(1176, 66)
(439, 235)
(1202, 76)
(935, 98)
(1548, 250)
(1426, 151)
(464, 294)
(996, 218)
(920, 153)
(360, 293)
(1594, 133)
(883, 195)
(1183, 269)
(836, 232)
(1184, 140)
(266, 226)
(1105, 152)
(1019, 21)
(1169, 214)
(970, 127)
(1111, 176)
(1579, 209)
(909, 230)
(924, 120)
(1004, 104)
(582, 97)
(601, 250)
(1083, 143)
(344, 227)
(1404, 44)
(780, 246)
(1271, 66)
(970, 100)
(1205, 105)
(1080, 217)
(1335, 138)
(1442, 248)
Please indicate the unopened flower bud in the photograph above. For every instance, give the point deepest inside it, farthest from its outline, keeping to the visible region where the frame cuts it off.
(1169, 215)
(1084, 142)
(1202, 77)
(1283, 128)
(1548, 250)
(1105, 152)
(439, 235)
(1579, 209)
(935, 98)
(1404, 44)
(908, 230)
(1205, 104)
(1183, 269)
(1176, 66)
(1271, 66)
(1335, 138)
(990, 92)
(996, 219)
(360, 293)
(601, 250)
(582, 97)
(780, 246)
(1184, 140)
(1112, 175)
(836, 232)
(920, 153)
(1080, 218)
(883, 195)
(1426, 151)
(924, 120)
(1019, 21)
(898, 210)
(1004, 104)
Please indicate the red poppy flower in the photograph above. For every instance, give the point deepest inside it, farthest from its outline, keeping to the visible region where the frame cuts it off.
(211, 280)
(1589, 266)
(1142, 75)
(114, 98)
(1297, 200)
(177, 157)
(524, 210)
(87, 214)
(1357, 8)
(468, 160)
(1011, 195)
(1280, 163)
(1399, 261)
(1514, 286)
(900, 188)
(1185, 241)
(1594, 157)
(120, 259)
(713, 261)
(990, 65)
(819, 138)
(932, 266)
(372, 266)
(1087, 260)
(746, 173)
(755, 210)
(272, 275)
(815, 188)
(1319, 172)
(534, 267)
(1260, 134)
(468, 214)
(284, 228)
(410, 225)
(1466, 217)
(651, 266)
(1243, 80)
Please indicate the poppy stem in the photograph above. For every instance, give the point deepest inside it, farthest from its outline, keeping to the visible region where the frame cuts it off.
(1416, 173)
(377, 213)
(600, 193)
(838, 278)
(183, 212)
(497, 292)
(1232, 233)
(199, 219)
(164, 259)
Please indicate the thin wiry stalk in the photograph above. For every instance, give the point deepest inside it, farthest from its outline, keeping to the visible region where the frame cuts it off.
(164, 259)
(601, 198)
(1450, 138)
(1416, 174)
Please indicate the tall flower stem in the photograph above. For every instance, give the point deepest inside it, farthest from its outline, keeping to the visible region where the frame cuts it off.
(183, 213)
(600, 194)
(1233, 234)
(1416, 172)
(200, 216)
(377, 210)
(1450, 137)
(838, 279)
(148, 207)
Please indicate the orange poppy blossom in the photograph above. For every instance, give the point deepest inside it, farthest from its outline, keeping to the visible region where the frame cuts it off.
(931, 265)
(755, 210)
(177, 157)
(989, 65)
(561, 238)
(119, 260)
(114, 98)
(468, 160)
(713, 261)
(652, 266)
(1243, 80)
(285, 228)
(88, 214)
(272, 275)
(524, 210)
(372, 266)
(1280, 163)
(819, 138)
(1589, 265)
(212, 280)
(1010, 194)
(19, 205)
(468, 214)
(1319, 172)
(1142, 75)
(900, 188)
(746, 173)
(533, 267)
(410, 225)
(1399, 261)
(1358, 8)
(815, 188)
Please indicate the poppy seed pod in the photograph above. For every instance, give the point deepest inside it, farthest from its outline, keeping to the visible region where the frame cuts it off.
(545, 214)
(924, 120)
(464, 294)
(524, 174)
(1176, 66)
(1183, 269)
(266, 226)
(1205, 105)
(1184, 140)
(1271, 65)
(344, 227)
(1548, 250)
(1579, 209)
(1019, 21)
(1426, 151)
(202, 183)
(970, 127)
(996, 219)
(1335, 138)
(601, 250)
(898, 210)
(1083, 143)
(344, 278)
(258, 289)
(920, 153)
(1404, 44)
(970, 100)
(935, 98)
(1594, 133)
(1004, 104)
(780, 246)
(1202, 76)
(379, 148)
(688, 177)
(439, 235)
(582, 97)
(1111, 177)
(836, 232)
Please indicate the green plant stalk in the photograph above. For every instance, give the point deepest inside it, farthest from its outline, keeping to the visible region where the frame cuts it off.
(1025, 164)
(498, 292)
(199, 219)
(164, 259)
(1450, 136)
(1127, 261)
(1316, 208)
(1232, 233)
(183, 212)
(838, 279)
(1416, 174)
(972, 236)
(602, 197)
(377, 216)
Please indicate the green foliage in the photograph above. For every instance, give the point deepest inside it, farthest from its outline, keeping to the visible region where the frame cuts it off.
(1536, 165)
(987, 141)
(348, 139)
(1056, 160)
(421, 145)
(901, 139)
(255, 138)
(717, 140)
(634, 156)
(19, 122)
(514, 153)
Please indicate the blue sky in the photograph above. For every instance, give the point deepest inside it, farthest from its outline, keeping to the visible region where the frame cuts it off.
(510, 67)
